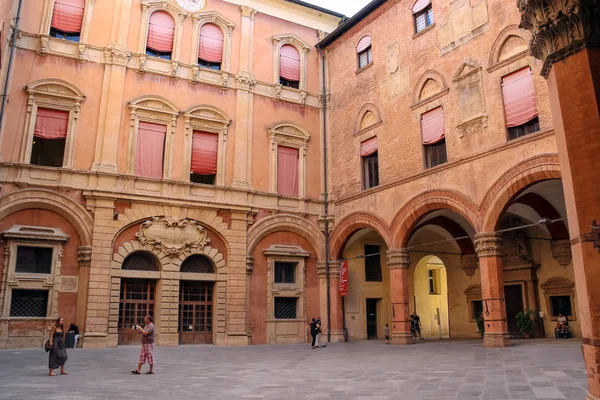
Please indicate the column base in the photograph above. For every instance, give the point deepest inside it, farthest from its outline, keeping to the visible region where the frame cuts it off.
(336, 336)
(402, 338)
(238, 339)
(493, 341)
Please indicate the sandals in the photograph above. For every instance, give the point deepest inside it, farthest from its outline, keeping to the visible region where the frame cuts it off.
(149, 373)
(135, 372)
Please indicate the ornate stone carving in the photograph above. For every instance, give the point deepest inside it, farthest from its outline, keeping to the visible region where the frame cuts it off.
(278, 88)
(560, 28)
(468, 263)
(142, 67)
(195, 71)
(173, 235)
(473, 126)
(249, 265)
(398, 259)
(488, 244)
(224, 81)
(44, 43)
(84, 256)
(174, 69)
(80, 52)
(303, 95)
(515, 247)
(113, 55)
(245, 81)
(248, 12)
(561, 251)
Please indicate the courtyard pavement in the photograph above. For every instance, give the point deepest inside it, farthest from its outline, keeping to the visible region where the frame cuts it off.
(370, 370)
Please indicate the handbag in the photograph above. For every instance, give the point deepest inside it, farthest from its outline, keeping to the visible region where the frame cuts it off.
(47, 346)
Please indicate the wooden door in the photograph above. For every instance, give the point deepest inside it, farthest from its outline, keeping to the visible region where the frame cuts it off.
(136, 301)
(195, 312)
(513, 295)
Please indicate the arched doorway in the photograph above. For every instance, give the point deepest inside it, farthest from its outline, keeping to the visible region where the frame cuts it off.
(137, 296)
(430, 298)
(195, 322)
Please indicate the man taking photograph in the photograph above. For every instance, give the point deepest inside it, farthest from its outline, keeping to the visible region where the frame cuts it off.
(147, 345)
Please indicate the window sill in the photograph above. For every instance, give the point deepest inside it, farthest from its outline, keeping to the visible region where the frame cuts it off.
(509, 140)
(430, 27)
(437, 166)
(369, 65)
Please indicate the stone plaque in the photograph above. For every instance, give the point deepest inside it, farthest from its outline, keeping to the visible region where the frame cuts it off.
(173, 235)
(393, 58)
(69, 284)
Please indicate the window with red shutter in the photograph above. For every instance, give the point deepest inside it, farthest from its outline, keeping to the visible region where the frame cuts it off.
(49, 137)
(67, 17)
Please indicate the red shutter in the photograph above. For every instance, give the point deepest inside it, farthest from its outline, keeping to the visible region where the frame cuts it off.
(51, 124)
(289, 63)
(211, 43)
(150, 150)
(518, 93)
(205, 147)
(161, 31)
(287, 171)
(432, 126)
(420, 5)
(368, 147)
(363, 44)
(68, 15)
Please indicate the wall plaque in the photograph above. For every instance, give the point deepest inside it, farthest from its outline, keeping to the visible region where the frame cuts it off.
(173, 235)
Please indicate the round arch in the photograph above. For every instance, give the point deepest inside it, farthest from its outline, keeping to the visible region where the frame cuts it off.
(45, 199)
(290, 223)
(513, 182)
(407, 217)
(350, 224)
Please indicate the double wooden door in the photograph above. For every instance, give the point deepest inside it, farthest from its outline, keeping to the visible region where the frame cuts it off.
(136, 301)
(195, 312)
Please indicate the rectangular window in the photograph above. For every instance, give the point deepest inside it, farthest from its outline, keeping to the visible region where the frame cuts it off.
(423, 19)
(365, 57)
(34, 260)
(431, 275)
(372, 263)
(205, 148)
(435, 154)
(289, 83)
(29, 303)
(285, 272)
(287, 170)
(49, 137)
(150, 155)
(371, 171)
(525, 129)
(476, 309)
(520, 108)
(561, 305)
(285, 307)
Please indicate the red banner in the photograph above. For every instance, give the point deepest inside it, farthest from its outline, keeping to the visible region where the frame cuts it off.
(344, 278)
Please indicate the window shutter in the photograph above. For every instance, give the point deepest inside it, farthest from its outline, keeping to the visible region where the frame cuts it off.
(51, 124)
(432, 126)
(287, 170)
(211, 43)
(289, 63)
(420, 5)
(150, 150)
(68, 15)
(205, 147)
(363, 44)
(368, 147)
(518, 93)
(161, 31)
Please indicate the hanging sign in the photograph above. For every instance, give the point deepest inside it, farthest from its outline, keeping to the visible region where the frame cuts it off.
(344, 278)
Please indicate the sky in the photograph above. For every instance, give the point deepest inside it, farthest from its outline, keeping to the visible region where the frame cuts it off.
(346, 7)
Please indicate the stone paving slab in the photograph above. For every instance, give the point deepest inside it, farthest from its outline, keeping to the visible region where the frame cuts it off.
(459, 370)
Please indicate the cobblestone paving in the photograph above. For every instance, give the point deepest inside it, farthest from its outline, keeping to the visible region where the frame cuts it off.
(535, 369)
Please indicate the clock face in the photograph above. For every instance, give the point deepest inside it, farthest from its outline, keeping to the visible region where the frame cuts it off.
(191, 5)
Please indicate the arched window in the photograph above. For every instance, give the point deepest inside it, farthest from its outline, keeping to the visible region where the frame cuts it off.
(423, 15)
(140, 261)
(289, 66)
(67, 17)
(198, 264)
(161, 31)
(210, 48)
(364, 51)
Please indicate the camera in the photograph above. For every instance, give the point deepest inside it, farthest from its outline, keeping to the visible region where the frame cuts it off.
(134, 327)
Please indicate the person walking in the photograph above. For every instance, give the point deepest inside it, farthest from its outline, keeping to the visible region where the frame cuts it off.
(386, 331)
(147, 346)
(75, 330)
(417, 321)
(320, 341)
(313, 331)
(412, 326)
(58, 354)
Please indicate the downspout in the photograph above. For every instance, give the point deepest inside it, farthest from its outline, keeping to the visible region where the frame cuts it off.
(9, 67)
(326, 194)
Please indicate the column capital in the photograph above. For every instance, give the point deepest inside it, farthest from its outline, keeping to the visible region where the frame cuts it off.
(561, 251)
(248, 12)
(488, 244)
(334, 269)
(398, 259)
(560, 28)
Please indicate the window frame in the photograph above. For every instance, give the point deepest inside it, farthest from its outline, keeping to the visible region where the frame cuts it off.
(533, 124)
(559, 287)
(303, 48)
(427, 150)
(378, 277)
(369, 52)
(288, 135)
(427, 12)
(227, 26)
(288, 264)
(178, 15)
(367, 162)
(47, 13)
(288, 298)
(19, 247)
(551, 309)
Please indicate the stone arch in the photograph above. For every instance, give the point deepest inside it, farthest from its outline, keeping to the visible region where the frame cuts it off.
(350, 224)
(368, 110)
(290, 223)
(45, 199)
(56, 88)
(408, 216)
(154, 103)
(514, 181)
(510, 45)
(434, 85)
(208, 113)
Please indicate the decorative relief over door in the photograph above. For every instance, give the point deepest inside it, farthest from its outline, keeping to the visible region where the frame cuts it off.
(173, 235)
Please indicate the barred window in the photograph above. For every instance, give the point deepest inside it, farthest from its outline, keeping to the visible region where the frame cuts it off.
(140, 261)
(285, 307)
(197, 264)
(29, 303)
(285, 272)
(34, 260)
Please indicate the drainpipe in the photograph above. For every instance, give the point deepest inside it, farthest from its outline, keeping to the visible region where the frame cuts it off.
(9, 67)
(326, 194)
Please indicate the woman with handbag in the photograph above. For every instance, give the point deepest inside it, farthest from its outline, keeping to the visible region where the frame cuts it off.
(58, 353)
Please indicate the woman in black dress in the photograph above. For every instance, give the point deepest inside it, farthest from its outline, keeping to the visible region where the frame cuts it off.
(58, 353)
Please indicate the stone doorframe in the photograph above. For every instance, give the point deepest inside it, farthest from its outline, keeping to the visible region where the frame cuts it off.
(167, 290)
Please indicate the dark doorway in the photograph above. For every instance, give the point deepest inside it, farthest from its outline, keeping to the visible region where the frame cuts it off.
(195, 312)
(372, 318)
(513, 295)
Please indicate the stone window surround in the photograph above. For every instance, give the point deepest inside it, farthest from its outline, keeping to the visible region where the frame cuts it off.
(226, 26)
(178, 15)
(47, 20)
(197, 118)
(278, 42)
(16, 236)
(43, 93)
(147, 113)
(559, 287)
(289, 135)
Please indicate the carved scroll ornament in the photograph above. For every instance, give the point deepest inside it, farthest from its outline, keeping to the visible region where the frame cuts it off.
(173, 236)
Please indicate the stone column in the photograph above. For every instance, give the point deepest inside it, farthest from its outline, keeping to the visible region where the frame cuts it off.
(566, 37)
(488, 246)
(398, 261)
(84, 259)
(336, 324)
(249, 270)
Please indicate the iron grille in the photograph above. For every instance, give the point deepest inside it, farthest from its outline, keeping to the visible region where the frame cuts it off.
(140, 261)
(198, 264)
(34, 260)
(29, 303)
(285, 307)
